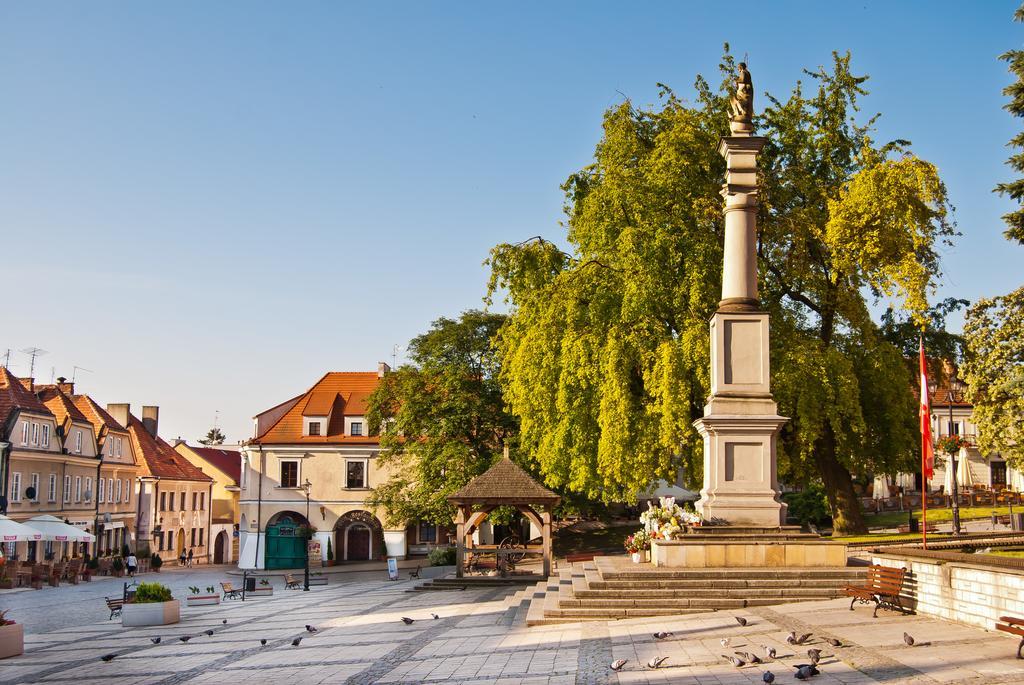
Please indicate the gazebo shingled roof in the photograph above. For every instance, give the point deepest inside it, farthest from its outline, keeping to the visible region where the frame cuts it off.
(504, 483)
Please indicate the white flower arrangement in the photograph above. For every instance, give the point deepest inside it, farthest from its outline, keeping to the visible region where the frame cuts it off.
(667, 520)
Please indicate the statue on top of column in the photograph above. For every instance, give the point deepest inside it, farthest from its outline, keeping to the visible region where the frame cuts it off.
(742, 102)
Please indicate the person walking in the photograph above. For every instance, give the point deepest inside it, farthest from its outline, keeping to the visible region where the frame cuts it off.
(181, 559)
(189, 556)
(132, 563)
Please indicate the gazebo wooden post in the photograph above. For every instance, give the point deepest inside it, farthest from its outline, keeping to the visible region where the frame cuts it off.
(460, 533)
(545, 517)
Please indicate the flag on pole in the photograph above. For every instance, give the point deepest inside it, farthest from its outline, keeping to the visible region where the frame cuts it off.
(927, 450)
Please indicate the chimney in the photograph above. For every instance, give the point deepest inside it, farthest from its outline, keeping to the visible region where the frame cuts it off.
(151, 419)
(64, 386)
(28, 383)
(120, 413)
(382, 368)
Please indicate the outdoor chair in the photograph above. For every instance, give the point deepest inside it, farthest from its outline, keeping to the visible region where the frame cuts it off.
(115, 606)
(56, 573)
(290, 583)
(414, 574)
(230, 592)
(39, 574)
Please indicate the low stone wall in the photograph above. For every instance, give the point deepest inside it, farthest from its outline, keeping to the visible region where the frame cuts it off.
(959, 587)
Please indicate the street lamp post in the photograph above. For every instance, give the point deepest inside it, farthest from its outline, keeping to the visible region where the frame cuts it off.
(305, 584)
(955, 391)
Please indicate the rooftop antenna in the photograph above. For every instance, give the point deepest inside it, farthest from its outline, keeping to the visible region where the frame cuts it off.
(76, 369)
(216, 418)
(7, 357)
(33, 352)
(394, 355)
(53, 372)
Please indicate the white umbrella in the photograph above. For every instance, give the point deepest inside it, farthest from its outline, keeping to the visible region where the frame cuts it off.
(53, 528)
(881, 487)
(12, 531)
(948, 474)
(963, 469)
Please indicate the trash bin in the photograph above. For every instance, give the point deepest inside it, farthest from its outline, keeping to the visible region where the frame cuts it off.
(915, 526)
(250, 583)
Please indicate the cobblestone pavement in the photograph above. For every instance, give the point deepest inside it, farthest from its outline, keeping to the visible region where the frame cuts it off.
(480, 637)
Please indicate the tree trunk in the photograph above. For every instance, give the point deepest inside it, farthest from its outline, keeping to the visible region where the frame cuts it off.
(847, 517)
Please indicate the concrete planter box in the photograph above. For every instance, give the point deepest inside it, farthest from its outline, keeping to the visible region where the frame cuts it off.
(317, 580)
(201, 600)
(151, 614)
(260, 591)
(12, 640)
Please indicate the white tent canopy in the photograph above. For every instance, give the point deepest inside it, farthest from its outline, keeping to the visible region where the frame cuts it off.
(963, 469)
(12, 531)
(52, 528)
(881, 487)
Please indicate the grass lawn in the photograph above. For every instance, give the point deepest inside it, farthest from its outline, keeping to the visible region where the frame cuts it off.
(890, 537)
(1015, 553)
(891, 519)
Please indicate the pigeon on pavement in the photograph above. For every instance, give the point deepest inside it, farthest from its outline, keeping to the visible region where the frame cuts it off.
(834, 642)
(155, 640)
(803, 638)
(742, 621)
(724, 642)
(618, 664)
(209, 632)
(310, 629)
(185, 638)
(225, 621)
(805, 671)
(814, 655)
(768, 651)
(657, 661)
(791, 638)
(748, 657)
(435, 616)
(661, 635)
(263, 642)
(736, 661)
(296, 641)
(406, 620)
(909, 639)
(107, 657)
(768, 677)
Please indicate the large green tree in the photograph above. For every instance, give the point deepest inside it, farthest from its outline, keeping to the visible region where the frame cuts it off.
(605, 354)
(443, 416)
(994, 371)
(1015, 91)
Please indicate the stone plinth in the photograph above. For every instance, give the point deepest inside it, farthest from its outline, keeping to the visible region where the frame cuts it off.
(747, 547)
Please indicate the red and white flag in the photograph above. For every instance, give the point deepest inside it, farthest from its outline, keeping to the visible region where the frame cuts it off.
(927, 450)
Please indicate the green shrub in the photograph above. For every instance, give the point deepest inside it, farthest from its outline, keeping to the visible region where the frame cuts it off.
(93, 563)
(330, 551)
(442, 556)
(147, 593)
(809, 505)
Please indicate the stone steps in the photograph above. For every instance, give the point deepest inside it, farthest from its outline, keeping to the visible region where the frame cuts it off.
(608, 590)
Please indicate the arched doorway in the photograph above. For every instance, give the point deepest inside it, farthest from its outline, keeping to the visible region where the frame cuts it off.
(286, 548)
(358, 536)
(218, 548)
(181, 542)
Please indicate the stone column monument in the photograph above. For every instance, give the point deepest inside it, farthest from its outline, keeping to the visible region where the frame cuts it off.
(741, 420)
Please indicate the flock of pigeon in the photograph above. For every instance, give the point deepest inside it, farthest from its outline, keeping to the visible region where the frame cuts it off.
(741, 659)
(263, 641)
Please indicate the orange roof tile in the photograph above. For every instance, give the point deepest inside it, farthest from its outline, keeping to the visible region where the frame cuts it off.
(60, 405)
(96, 414)
(319, 403)
(348, 391)
(160, 459)
(14, 395)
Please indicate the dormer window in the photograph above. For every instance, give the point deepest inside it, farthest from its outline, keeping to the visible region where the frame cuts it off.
(314, 428)
(357, 428)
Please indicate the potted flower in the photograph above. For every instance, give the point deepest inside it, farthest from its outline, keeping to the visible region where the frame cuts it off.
(197, 597)
(12, 637)
(951, 444)
(153, 606)
(263, 589)
(330, 554)
(637, 545)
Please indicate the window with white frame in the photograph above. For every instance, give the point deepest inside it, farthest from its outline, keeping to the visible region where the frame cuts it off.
(110, 490)
(78, 488)
(78, 442)
(35, 433)
(67, 488)
(15, 487)
(289, 474)
(314, 428)
(355, 474)
(127, 490)
(46, 435)
(24, 432)
(51, 488)
(88, 488)
(356, 428)
(118, 490)
(101, 492)
(34, 484)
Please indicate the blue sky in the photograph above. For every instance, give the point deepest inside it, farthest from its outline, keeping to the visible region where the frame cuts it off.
(208, 205)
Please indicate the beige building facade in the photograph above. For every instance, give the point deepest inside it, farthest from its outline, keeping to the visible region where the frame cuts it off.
(223, 465)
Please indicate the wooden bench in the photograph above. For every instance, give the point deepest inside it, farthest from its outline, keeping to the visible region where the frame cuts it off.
(290, 583)
(414, 574)
(882, 586)
(115, 606)
(1014, 626)
(230, 592)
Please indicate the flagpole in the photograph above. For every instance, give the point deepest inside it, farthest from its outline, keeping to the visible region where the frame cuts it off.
(924, 510)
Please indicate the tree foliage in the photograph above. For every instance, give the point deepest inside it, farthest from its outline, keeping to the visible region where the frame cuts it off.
(444, 418)
(214, 436)
(1015, 91)
(605, 355)
(994, 371)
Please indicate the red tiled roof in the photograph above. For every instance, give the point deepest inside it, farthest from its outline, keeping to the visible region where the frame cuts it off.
(160, 459)
(15, 396)
(227, 461)
(941, 396)
(348, 391)
(319, 403)
(96, 414)
(60, 405)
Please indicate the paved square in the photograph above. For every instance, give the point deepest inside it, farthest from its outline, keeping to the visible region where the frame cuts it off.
(481, 637)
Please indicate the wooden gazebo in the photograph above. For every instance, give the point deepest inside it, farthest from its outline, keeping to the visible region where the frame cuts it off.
(504, 484)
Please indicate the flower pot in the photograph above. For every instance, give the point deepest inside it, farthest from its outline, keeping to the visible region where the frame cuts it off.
(12, 640)
(201, 600)
(260, 591)
(151, 613)
(637, 557)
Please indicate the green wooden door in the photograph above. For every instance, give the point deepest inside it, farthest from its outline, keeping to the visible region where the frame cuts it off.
(285, 549)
